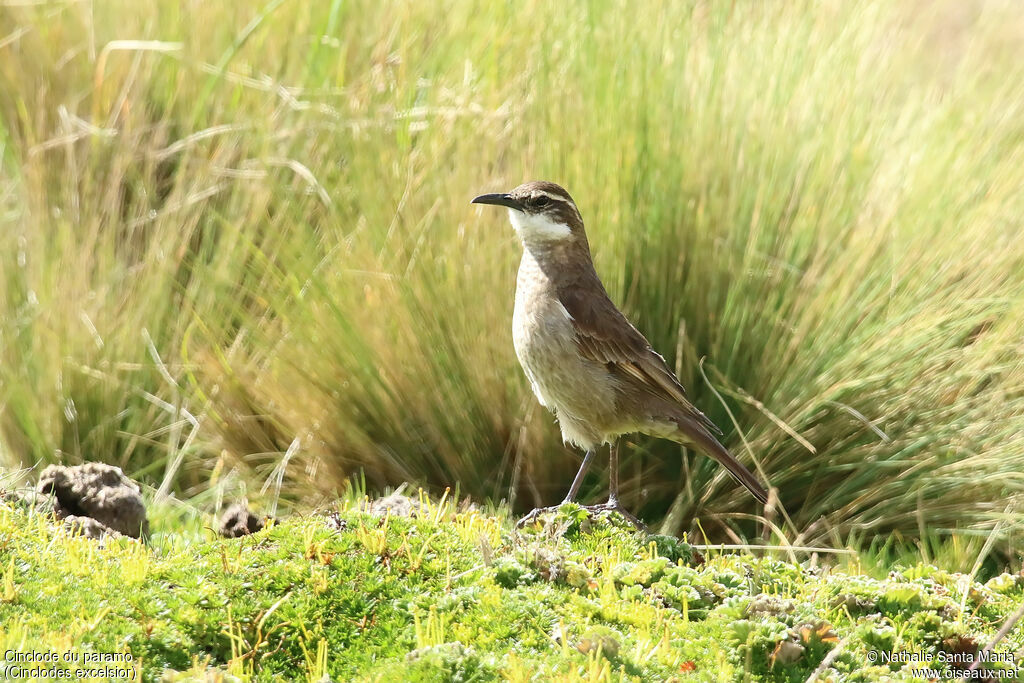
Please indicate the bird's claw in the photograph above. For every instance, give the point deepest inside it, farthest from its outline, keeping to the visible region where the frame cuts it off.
(616, 506)
(610, 506)
(534, 514)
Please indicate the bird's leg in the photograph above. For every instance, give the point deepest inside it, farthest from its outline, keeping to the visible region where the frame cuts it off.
(613, 474)
(613, 504)
(569, 497)
(578, 481)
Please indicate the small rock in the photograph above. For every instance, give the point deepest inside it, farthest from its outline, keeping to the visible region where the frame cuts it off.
(334, 521)
(99, 491)
(238, 521)
(399, 505)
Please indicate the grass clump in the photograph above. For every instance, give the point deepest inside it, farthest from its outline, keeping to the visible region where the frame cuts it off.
(237, 241)
(455, 595)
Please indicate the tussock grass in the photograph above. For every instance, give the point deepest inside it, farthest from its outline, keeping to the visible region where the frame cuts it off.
(247, 234)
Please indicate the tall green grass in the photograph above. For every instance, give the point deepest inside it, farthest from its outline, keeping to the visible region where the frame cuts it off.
(236, 245)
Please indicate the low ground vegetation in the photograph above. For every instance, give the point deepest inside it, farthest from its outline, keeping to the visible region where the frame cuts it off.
(457, 594)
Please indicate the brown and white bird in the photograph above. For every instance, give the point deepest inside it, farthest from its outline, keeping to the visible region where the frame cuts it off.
(586, 363)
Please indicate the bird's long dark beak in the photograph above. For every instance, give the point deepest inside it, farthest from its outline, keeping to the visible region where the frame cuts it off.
(499, 199)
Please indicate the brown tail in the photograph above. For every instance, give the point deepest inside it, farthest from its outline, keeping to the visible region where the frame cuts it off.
(696, 435)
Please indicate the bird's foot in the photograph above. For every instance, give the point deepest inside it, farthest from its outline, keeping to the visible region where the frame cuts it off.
(534, 514)
(614, 505)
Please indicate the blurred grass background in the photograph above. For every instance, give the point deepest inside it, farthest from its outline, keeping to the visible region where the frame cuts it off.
(237, 250)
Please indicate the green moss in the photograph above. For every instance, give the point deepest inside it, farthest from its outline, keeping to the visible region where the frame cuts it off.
(373, 598)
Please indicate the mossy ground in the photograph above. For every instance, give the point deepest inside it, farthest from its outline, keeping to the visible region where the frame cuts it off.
(457, 595)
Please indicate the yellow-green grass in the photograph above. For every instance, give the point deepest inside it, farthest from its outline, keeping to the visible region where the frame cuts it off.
(455, 595)
(236, 240)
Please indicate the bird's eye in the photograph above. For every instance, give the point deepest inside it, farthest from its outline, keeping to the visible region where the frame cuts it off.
(540, 201)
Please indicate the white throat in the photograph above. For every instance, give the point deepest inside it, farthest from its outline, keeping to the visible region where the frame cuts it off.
(537, 228)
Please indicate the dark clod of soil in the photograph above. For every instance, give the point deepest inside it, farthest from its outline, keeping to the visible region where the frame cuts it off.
(238, 521)
(97, 491)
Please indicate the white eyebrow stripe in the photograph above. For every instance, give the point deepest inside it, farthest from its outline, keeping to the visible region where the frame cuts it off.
(555, 197)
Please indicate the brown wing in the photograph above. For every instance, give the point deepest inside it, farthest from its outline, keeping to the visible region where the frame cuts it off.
(604, 335)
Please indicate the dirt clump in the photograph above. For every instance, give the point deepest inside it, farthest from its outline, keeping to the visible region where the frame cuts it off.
(97, 492)
(238, 521)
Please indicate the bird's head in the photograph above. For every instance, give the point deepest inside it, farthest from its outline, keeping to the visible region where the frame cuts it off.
(542, 213)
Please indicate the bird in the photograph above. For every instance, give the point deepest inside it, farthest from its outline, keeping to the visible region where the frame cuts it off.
(585, 361)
